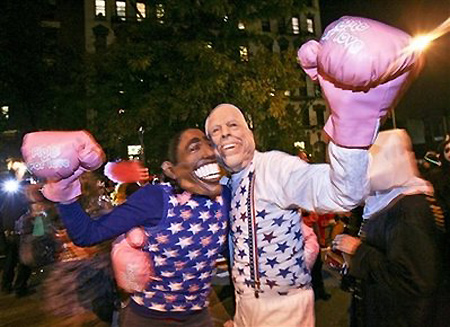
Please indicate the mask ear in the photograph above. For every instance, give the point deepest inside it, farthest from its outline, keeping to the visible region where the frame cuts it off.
(167, 168)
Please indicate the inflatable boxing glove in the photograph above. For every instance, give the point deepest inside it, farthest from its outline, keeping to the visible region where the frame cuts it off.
(133, 268)
(363, 67)
(60, 158)
(65, 190)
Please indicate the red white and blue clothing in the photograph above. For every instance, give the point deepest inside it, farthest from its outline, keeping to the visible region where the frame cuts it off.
(282, 185)
(186, 233)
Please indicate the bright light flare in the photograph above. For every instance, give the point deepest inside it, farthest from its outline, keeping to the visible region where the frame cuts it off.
(417, 46)
(421, 42)
(11, 186)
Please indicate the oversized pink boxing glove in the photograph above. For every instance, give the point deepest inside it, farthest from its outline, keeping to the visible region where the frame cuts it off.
(363, 67)
(60, 158)
(133, 268)
(65, 190)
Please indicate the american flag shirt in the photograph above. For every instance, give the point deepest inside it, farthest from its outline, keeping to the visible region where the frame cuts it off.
(184, 247)
(282, 185)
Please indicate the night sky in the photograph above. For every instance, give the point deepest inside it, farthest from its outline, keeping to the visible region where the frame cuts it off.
(429, 95)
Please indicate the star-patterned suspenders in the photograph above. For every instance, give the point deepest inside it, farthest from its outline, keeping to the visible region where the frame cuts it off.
(253, 247)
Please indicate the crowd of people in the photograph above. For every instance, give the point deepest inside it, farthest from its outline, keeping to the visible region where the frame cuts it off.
(220, 196)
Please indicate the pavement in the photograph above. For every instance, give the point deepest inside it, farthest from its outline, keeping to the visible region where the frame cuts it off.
(29, 311)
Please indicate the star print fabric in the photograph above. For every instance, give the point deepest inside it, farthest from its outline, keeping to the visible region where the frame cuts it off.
(184, 248)
(279, 241)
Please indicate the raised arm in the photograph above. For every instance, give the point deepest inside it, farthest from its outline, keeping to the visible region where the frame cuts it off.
(143, 208)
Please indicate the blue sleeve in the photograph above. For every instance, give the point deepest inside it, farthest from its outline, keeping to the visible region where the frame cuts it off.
(145, 207)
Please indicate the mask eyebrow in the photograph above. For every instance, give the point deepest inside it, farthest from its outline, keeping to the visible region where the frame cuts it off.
(192, 141)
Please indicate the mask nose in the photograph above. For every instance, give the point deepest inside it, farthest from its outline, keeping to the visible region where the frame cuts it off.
(208, 151)
(225, 131)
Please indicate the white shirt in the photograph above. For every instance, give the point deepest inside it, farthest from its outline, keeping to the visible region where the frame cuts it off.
(283, 184)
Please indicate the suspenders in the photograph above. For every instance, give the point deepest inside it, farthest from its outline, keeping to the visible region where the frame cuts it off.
(252, 237)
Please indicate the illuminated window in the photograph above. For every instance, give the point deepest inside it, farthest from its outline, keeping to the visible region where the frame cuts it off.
(243, 51)
(241, 26)
(295, 25)
(100, 8)
(5, 111)
(121, 9)
(160, 13)
(141, 10)
(134, 151)
(310, 25)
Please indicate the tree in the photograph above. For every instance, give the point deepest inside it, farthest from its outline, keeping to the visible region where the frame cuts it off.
(167, 72)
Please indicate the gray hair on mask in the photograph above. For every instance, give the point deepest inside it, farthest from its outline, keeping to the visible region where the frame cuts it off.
(228, 107)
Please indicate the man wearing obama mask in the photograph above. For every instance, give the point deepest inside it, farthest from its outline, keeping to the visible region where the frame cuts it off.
(361, 81)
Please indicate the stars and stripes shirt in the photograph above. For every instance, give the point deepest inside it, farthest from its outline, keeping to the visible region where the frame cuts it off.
(186, 234)
(184, 248)
(282, 185)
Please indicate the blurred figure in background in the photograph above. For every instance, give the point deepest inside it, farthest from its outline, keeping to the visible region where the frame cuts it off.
(396, 259)
(311, 220)
(13, 204)
(123, 191)
(439, 176)
(80, 287)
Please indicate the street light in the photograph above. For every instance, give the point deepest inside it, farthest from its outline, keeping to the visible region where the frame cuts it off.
(11, 186)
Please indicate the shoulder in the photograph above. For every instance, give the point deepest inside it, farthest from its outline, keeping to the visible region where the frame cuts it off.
(413, 202)
(278, 160)
(413, 210)
(275, 155)
(148, 193)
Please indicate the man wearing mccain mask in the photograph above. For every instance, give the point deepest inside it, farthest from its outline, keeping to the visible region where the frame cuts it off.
(361, 70)
(185, 220)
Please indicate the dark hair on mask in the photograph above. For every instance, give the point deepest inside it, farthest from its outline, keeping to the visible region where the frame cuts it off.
(172, 156)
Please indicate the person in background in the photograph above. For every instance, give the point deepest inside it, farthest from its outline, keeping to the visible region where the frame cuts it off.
(123, 191)
(439, 177)
(85, 292)
(13, 204)
(397, 259)
(310, 219)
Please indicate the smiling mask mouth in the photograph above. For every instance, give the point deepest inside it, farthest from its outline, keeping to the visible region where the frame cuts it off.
(208, 173)
(229, 146)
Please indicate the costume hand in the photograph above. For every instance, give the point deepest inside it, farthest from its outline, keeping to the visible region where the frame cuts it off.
(362, 68)
(346, 243)
(133, 268)
(127, 171)
(312, 248)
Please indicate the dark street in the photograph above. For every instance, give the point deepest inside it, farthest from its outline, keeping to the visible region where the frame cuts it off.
(28, 311)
